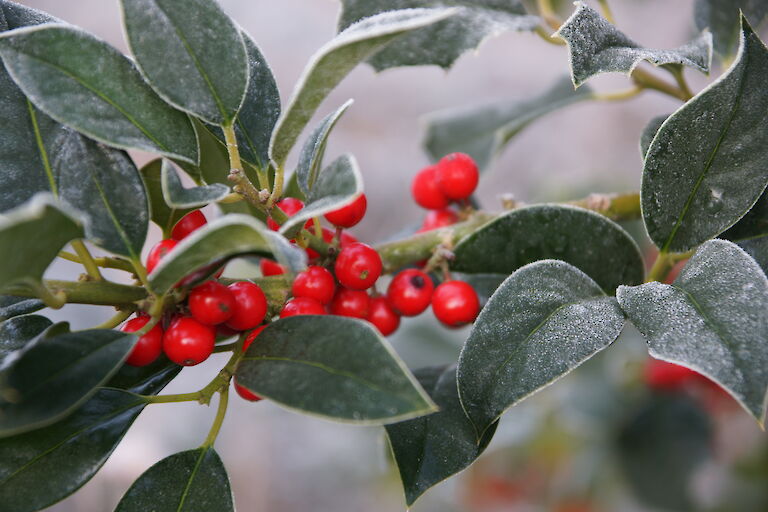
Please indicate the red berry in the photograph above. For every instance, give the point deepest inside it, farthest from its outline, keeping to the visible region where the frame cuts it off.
(302, 306)
(346, 238)
(211, 303)
(382, 316)
(149, 346)
(188, 342)
(455, 303)
(250, 306)
(438, 219)
(290, 206)
(187, 224)
(425, 190)
(159, 251)
(271, 267)
(410, 292)
(457, 176)
(664, 376)
(358, 266)
(352, 303)
(316, 283)
(350, 215)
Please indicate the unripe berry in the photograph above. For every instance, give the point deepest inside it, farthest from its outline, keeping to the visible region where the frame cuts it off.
(457, 176)
(410, 292)
(350, 215)
(455, 303)
(188, 342)
(211, 303)
(187, 224)
(382, 316)
(426, 191)
(316, 283)
(358, 266)
(149, 346)
(351, 303)
(302, 306)
(250, 306)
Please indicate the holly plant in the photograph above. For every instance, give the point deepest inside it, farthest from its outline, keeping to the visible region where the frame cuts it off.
(545, 286)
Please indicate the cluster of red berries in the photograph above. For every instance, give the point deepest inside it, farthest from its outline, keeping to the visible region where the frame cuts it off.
(453, 179)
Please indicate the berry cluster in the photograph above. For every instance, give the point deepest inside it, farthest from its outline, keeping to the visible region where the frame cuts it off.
(453, 179)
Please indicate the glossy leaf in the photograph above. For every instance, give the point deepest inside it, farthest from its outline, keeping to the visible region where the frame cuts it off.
(721, 17)
(337, 185)
(86, 84)
(17, 332)
(587, 240)
(447, 40)
(177, 196)
(25, 258)
(191, 53)
(56, 373)
(334, 61)
(333, 367)
(706, 166)
(11, 306)
(711, 319)
(432, 448)
(311, 157)
(194, 480)
(484, 131)
(595, 46)
(649, 132)
(544, 321)
(31, 476)
(219, 240)
(160, 213)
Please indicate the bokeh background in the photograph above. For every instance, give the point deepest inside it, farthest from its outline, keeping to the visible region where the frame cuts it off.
(597, 440)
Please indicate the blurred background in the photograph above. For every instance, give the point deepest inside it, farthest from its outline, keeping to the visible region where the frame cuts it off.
(615, 435)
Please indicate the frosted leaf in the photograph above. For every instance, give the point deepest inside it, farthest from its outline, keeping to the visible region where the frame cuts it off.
(176, 196)
(649, 132)
(721, 17)
(11, 306)
(17, 332)
(712, 319)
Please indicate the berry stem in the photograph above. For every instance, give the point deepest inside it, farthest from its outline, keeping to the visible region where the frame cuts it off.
(98, 293)
(277, 190)
(105, 262)
(243, 185)
(87, 260)
(120, 317)
(219, 420)
(227, 347)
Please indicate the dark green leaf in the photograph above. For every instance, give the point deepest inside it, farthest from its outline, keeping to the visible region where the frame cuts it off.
(711, 319)
(311, 157)
(161, 214)
(447, 40)
(226, 237)
(177, 196)
(56, 373)
(192, 54)
(337, 185)
(11, 306)
(752, 225)
(25, 258)
(758, 249)
(587, 240)
(721, 17)
(706, 166)
(595, 46)
(484, 131)
(86, 84)
(17, 332)
(432, 448)
(334, 61)
(543, 321)
(190, 481)
(32, 475)
(649, 132)
(333, 367)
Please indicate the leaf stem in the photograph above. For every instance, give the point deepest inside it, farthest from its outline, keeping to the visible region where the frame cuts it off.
(619, 95)
(547, 12)
(105, 262)
(607, 12)
(645, 79)
(227, 347)
(277, 189)
(678, 72)
(243, 185)
(87, 260)
(219, 420)
(98, 293)
(547, 36)
(661, 267)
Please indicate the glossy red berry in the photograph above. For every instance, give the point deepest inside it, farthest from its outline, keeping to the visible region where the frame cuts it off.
(410, 292)
(271, 267)
(438, 219)
(358, 266)
(211, 303)
(351, 303)
(382, 316)
(316, 283)
(250, 306)
(455, 303)
(457, 176)
(157, 252)
(302, 306)
(350, 215)
(425, 190)
(187, 224)
(188, 342)
(290, 206)
(149, 346)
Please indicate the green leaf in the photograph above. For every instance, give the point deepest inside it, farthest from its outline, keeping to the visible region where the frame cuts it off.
(31, 475)
(649, 132)
(597, 246)
(192, 54)
(333, 367)
(338, 185)
(11, 306)
(224, 238)
(334, 61)
(484, 131)
(103, 184)
(706, 166)
(56, 373)
(190, 481)
(311, 157)
(84, 83)
(447, 40)
(543, 321)
(595, 46)
(25, 258)
(432, 448)
(160, 213)
(752, 225)
(711, 319)
(17, 332)
(721, 17)
(177, 196)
